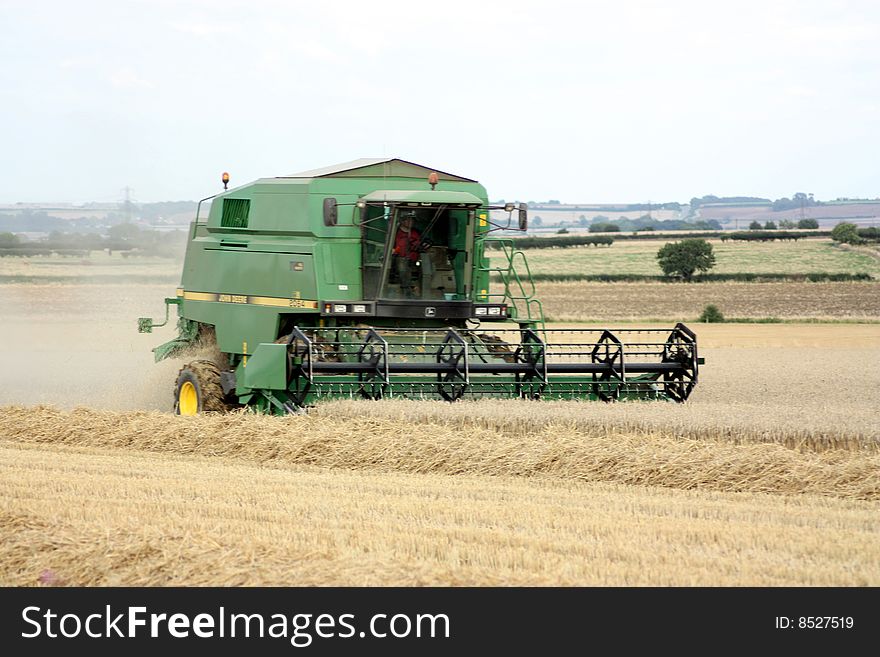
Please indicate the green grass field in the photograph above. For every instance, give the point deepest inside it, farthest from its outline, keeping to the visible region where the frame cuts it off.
(639, 258)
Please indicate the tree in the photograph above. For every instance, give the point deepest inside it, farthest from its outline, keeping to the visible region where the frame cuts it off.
(8, 239)
(683, 259)
(871, 234)
(755, 225)
(846, 233)
(711, 314)
(798, 200)
(808, 223)
(770, 225)
(787, 224)
(604, 228)
(537, 221)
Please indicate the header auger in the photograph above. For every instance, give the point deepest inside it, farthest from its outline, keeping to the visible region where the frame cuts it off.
(359, 281)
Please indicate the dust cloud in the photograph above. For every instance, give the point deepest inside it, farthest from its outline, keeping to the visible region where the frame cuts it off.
(76, 344)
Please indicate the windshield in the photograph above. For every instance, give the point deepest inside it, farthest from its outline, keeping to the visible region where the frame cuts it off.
(416, 252)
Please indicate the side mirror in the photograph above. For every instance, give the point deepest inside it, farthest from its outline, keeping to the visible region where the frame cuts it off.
(331, 213)
(523, 216)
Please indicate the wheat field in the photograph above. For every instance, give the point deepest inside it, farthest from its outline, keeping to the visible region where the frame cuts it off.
(769, 475)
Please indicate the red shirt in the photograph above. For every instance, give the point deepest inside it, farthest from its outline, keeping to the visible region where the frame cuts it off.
(406, 243)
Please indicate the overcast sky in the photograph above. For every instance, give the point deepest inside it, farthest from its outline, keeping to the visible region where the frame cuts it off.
(605, 101)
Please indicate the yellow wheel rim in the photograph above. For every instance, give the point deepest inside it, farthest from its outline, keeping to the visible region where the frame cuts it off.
(188, 399)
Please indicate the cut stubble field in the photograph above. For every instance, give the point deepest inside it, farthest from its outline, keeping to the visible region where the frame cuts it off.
(103, 517)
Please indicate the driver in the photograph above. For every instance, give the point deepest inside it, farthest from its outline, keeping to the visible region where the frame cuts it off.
(407, 243)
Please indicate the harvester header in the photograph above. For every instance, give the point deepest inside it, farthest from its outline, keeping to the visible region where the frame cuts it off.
(373, 279)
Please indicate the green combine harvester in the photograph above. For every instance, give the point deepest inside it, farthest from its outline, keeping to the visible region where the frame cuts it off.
(372, 279)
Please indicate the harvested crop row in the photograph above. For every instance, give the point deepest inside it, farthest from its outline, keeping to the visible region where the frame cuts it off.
(555, 450)
(821, 428)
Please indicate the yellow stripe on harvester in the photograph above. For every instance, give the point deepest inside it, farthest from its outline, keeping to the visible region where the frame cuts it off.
(273, 302)
(283, 303)
(200, 296)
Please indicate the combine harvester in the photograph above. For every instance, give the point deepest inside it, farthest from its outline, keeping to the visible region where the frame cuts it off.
(371, 279)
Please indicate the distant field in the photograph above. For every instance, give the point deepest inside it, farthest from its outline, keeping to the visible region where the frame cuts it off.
(631, 257)
(576, 301)
(639, 258)
(553, 217)
(827, 215)
(49, 289)
(97, 268)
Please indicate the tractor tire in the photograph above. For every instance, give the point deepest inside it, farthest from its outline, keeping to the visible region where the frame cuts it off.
(198, 389)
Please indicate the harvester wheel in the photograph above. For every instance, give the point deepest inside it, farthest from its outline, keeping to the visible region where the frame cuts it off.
(198, 389)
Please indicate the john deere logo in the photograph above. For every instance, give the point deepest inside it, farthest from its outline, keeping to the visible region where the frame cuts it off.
(430, 311)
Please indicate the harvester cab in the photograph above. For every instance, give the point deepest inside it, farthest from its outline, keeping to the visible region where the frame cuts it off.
(374, 279)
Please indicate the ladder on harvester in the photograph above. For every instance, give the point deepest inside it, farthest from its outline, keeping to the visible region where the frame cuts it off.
(518, 294)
